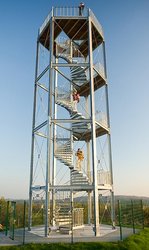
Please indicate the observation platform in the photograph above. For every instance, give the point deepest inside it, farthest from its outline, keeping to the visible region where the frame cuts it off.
(74, 25)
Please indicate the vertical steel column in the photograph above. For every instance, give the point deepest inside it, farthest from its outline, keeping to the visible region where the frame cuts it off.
(71, 91)
(71, 138)
(54, 142)
(71, 98)
(72, 222)
(49, 130)
(33, 138)
(95, 186)
(109, 142)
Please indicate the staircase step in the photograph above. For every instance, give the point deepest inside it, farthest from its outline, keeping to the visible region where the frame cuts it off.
(65, 147)
(80, 183)
(76, 171)
(78, 70)
(78, 79)
(64, 221)
(69, 149)
(67, 106)
(79, 179)
(63, 217)
(63, 150)
(76, 128)
(64, 208)
(68, 161)
(78, 73)
(62, 214)
(76, 174)
(63, 154)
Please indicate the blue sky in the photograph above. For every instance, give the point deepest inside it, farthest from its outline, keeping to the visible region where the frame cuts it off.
(126, 29)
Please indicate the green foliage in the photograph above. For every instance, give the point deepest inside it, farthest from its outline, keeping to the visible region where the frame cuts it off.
(2, 210)
(65, 246)
(146, 216)
(138, 241)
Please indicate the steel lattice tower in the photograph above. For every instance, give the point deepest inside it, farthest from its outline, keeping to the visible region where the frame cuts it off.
(70, 58)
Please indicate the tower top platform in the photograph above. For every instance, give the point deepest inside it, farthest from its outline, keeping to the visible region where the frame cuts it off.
(74, 23)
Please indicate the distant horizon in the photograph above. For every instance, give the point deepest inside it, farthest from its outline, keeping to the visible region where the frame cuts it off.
(117, 195)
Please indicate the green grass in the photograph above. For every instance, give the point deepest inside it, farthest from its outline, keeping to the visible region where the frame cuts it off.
(65, 246)
(135, 242)
(138, 241)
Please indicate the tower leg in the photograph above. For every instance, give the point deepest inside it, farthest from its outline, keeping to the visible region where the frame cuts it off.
(54, 146)
(93, 128)
(32, 146)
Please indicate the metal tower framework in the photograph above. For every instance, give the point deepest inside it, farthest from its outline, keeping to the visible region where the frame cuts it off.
(70, 58)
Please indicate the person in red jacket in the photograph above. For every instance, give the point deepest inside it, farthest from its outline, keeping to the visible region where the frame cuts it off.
(76, 98)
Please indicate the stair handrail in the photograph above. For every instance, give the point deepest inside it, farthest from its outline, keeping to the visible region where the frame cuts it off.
(82, 109)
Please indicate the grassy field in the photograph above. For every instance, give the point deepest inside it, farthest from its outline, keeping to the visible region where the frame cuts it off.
(135, 242)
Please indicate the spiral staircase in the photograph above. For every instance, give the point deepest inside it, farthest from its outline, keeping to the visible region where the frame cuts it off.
(63, 146)
(80, 127)
(63, 98)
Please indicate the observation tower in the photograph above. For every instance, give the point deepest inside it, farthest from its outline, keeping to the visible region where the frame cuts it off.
(71, 112)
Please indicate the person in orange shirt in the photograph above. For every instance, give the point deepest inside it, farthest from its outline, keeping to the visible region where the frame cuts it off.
(80, 158)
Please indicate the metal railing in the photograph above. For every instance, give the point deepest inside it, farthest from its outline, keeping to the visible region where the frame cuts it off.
(98, 67)
(104, 177)
(62, 94)
(63, 11)
(45, 22)
(71, 12)
(78, 217)
(101, 117)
